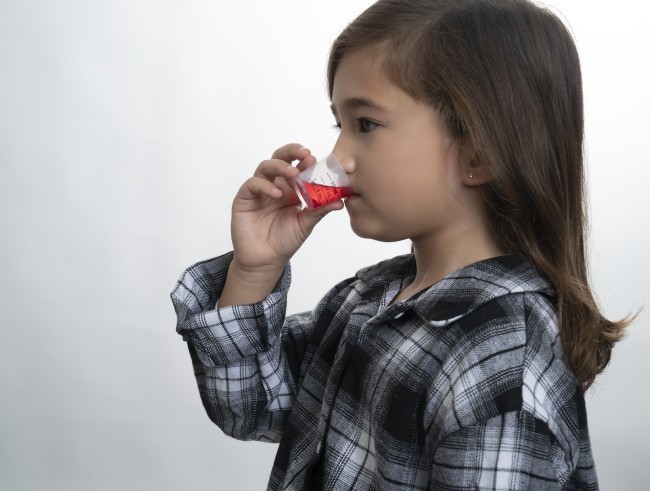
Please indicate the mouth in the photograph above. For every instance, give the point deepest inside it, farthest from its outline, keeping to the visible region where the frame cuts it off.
(351, 193)
(352, 197)
(352, 190)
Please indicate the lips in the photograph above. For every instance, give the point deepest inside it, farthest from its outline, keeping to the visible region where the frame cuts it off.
(353, 192)
(353, 196)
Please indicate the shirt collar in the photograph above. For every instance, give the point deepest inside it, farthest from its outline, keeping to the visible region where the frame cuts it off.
(463, 290)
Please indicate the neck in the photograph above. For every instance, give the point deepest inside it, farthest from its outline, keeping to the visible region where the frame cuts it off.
(437, 256)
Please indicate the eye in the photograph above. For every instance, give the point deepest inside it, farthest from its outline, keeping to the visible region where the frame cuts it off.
(336, 126)
(365, 125)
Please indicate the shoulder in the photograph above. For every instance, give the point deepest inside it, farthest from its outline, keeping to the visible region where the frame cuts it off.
(550, 390)
(504, 348)
(387, 270)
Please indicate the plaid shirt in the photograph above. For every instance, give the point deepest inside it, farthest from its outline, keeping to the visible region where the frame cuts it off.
(463, 386)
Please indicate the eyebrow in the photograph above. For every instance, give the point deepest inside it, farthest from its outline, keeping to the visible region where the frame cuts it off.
(359, 102)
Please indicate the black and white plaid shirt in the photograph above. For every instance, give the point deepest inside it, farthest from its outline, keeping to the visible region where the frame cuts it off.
(461, 387)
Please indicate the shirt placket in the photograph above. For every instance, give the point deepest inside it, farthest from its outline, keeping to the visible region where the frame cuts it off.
(366, 309)
(376, 299)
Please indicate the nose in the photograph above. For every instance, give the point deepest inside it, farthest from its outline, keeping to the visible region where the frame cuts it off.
(345, 156)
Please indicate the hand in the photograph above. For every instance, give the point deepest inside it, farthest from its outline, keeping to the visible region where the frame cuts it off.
(268, 226)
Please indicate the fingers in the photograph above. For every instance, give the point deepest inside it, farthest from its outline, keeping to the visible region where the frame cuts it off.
(270, 169)
(306, 162)
(280, 163)
(273, 177)
(279, 169)
(309, 218)
(291, 152)
(255, 187)
(294, 151)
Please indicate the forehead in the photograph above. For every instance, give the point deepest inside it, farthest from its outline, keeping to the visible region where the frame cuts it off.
(359, 75)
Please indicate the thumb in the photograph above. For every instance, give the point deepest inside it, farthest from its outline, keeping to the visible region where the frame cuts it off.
(309, 218)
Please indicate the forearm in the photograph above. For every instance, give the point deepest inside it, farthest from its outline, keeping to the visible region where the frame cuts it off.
(244, 408)
(512, 450)
(239, 360)
(246, 286)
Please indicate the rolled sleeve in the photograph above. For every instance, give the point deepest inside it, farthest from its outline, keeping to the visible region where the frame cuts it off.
(222, 336)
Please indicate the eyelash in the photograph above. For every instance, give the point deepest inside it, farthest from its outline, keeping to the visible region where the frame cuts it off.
(361, 124)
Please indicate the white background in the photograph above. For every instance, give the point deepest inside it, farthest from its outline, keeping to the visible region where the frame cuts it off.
(126, 127)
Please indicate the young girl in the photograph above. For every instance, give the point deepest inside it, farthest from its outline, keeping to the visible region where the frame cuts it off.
(463, 364)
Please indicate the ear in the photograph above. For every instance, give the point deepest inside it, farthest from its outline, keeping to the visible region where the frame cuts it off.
(473, 171)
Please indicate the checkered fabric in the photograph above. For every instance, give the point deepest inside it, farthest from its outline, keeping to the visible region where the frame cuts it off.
(463, 386)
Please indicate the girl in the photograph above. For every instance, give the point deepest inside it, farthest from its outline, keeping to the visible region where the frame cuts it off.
(463, 364)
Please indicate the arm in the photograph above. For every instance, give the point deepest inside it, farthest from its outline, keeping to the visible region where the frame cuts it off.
(519, 419)
(235, 351)
(243, 386)
(509, 451)
(247, 358)
(268, 226)
(240, 364)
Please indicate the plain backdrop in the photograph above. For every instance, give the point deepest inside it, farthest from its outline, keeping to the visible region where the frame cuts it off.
(127, 126)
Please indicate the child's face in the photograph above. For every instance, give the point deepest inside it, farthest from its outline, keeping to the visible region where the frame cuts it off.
(403, 166)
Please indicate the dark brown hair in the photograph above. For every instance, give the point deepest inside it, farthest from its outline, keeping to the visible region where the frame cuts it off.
(505, 77)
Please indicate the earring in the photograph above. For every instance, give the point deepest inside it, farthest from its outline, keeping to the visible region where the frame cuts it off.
(471, 176)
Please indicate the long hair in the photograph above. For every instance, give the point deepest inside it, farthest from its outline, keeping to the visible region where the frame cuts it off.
(505, 77)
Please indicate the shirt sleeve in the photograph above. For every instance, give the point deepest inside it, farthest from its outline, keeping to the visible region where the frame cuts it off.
(247, 358)
(513, 450)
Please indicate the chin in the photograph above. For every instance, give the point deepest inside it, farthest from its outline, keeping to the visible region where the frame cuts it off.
(368, 230)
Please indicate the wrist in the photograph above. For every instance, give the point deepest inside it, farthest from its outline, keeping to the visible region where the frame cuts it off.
(255, 275)
(248, 285)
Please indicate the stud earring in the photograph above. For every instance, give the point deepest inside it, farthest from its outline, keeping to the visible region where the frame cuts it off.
(471, 176)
